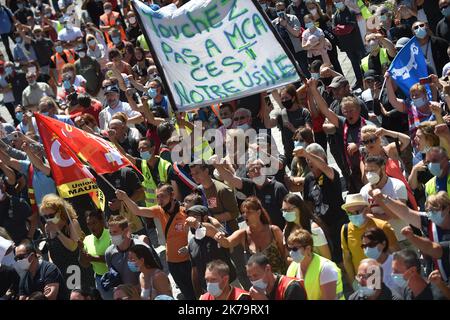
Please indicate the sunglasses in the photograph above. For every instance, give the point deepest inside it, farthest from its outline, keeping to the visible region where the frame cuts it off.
(419, 26)
(369, 245)
(369, 141)
(21, 257)
(49, 216)
(294, 249)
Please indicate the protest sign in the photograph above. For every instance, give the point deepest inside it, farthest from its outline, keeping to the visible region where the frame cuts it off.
(211, 51)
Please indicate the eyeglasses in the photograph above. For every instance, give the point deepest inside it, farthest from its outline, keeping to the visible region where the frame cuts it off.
(295, 249)
(369, 141)
(239, 118)
(422, 25)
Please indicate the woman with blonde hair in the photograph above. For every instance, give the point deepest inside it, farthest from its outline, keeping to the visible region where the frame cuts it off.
(63, 235)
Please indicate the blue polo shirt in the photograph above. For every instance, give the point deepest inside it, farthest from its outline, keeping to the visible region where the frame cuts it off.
(42, 184)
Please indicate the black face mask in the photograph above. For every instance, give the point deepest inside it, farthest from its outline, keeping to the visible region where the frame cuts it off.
(287, 104)
(326, 81)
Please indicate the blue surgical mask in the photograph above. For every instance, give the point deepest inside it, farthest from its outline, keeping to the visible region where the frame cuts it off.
(20, 5)
(435, 168)
(398, 279)
(18, 39)
(260, 284)
(315, 76)
(213, 289)
(299, 144)
(8, 70)
(420, 33)
(436, 217)
(446, 12)
(146, 155)
(264, 6)
(44, 114)
(19, 116)
(132, 266)
(59, 49)
(383, 18)
(340, 6)
(115, 40)
(297, 256)
(309, 25)
(419, 102)
(152, 92)
(244, 126)
(373, 253)
(366, 291)
(289, 216)
(357, 219)
(66, 84)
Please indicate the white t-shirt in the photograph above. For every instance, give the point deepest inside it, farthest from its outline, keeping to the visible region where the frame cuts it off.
(327, 275)
(387, 271)
(106, 114)
(318, 236)
(70, 34)
(395, 189)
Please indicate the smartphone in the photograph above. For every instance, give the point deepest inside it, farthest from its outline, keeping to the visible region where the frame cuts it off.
(426, 80)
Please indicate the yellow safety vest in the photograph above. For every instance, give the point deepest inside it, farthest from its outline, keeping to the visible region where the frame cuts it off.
(202, 148)
(364, 10)
(384, 60)
(142, 42)
(430, 186)
(312, 278)
(149, 184)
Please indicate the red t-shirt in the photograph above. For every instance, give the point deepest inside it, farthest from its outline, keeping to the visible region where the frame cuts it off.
(94, 110)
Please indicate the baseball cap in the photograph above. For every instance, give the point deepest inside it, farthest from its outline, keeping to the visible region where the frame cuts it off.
(371, 75)
(112, 89)
(198, 210)
(337, 82)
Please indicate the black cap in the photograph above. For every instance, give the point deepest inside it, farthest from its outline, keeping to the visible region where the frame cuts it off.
(198, 210)
(112, 89)
(371, 75)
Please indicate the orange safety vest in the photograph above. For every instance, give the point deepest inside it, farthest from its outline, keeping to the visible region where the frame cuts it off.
(59, 61)
(283, 284)
(111, 22)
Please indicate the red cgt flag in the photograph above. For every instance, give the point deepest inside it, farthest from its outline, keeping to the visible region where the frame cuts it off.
(72, 178)
(102, 156)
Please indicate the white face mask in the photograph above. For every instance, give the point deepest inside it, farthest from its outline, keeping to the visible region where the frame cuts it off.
(117, 240)
(132, 20)
(259, 180)
(8, 260)
(373, 177)
(227, 122)
(313, 12)
(200, 233)
(54, 220)
(82, 54)
(244, 127)
(108, 11)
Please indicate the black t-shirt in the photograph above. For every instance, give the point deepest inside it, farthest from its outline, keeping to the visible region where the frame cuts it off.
(206, 250)
(14, 213)
(95, 10)
(133, 33)
(124, 179)
(271, 196)
(443, 29)
(9, 279)
(46, 273)
(294, 291)
(326, 197)
(298, 118)
(405, 293)
(18, 83)
(44, 51)
(130, 145)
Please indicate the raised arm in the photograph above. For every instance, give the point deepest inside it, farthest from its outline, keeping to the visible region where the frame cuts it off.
(400, 209)
(228, 176)
(232, 241)
(321, 103)
(425, 245)
(132, 206)
(398, 104)
(316, 161)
